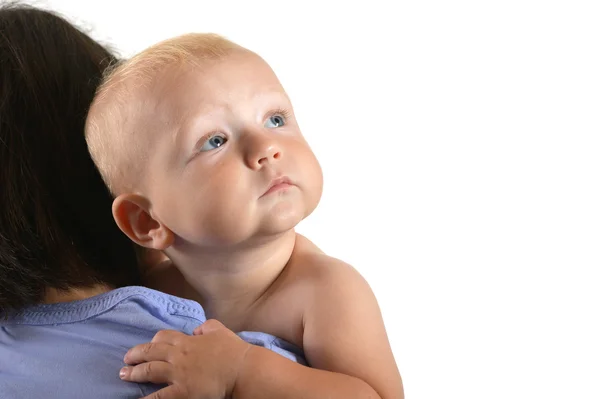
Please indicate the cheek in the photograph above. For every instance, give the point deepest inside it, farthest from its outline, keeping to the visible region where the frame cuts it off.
(213, 210)
(311, 174)
(308, 161)
(216, 198)
(317, 181)
(216, 191)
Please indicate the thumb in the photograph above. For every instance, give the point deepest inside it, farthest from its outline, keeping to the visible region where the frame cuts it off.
(209, 326)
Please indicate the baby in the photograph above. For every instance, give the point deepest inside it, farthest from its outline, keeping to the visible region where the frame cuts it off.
(197, 140)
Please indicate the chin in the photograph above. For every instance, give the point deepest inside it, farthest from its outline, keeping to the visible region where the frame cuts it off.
(281, 220)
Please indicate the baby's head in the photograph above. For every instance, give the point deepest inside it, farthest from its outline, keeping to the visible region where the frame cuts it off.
(197, 140)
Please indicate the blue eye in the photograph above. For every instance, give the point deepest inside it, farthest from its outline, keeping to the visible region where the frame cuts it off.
(274, 121)
(213, 142)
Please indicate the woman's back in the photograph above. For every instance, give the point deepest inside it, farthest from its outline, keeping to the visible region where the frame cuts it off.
(75, 349)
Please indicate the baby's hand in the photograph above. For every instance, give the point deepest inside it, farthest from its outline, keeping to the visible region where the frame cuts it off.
(202, 366)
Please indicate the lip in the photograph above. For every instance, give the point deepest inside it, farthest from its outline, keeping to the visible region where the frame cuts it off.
(280, 183)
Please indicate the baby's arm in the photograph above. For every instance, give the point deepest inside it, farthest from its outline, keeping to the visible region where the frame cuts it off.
(344, 340)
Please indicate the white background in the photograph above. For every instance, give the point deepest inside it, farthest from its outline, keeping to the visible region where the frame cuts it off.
(460, 142)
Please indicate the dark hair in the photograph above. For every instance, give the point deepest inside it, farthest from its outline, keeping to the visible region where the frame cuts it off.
(56, 226)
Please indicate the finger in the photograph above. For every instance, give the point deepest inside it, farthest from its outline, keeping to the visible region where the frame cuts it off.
(198, 330)
(168, 336)
(154, 372)
(170, 392)
(209, 326)
(148, 352)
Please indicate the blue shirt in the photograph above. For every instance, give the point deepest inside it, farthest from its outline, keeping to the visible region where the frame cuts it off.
(75, 349)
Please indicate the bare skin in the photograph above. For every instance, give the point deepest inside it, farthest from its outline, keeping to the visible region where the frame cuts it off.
(317, 303)
(228, 184)
(74, 294)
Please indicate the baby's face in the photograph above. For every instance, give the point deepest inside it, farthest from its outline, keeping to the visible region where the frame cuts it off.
(229, 162)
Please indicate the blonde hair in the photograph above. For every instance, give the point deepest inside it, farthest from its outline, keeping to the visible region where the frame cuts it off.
(110, 127)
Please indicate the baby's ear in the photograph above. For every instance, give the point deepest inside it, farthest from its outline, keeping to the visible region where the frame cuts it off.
(132, 214)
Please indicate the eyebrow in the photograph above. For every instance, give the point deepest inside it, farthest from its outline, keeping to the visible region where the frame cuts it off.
(194, 117)
(205, 109)
(275, 94)
(189, 121)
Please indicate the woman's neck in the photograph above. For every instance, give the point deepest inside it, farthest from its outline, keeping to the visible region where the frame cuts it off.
(54, 295)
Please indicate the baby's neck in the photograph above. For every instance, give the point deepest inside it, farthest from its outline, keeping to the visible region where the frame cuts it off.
(234, 280)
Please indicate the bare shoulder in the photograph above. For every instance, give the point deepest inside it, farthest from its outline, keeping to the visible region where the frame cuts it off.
(343, 329)
(324, 272)
(310, 278)
(327, 286)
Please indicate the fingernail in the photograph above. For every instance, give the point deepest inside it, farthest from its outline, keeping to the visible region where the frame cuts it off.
(123, 373)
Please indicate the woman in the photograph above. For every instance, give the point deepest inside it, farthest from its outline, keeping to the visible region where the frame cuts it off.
(69, 310)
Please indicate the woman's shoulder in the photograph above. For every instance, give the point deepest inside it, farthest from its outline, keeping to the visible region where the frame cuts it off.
(76, 348)
(134, 306)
